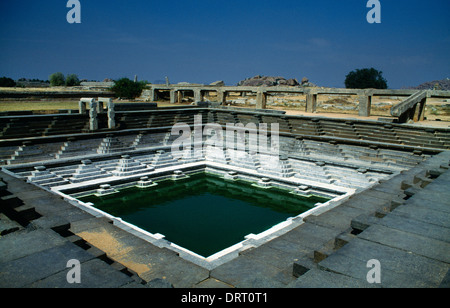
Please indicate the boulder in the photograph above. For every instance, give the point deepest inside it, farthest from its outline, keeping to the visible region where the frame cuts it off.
(219, 83)
(292, 82)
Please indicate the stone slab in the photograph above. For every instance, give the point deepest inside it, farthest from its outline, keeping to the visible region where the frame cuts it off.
(439, 186)
(7, 225)
(417, 244)
(48, 204)
(380, 195)
(177, 271)
(316, 278)
(277, 253)
(358, 269)
(245, 272)
(94, 274)
(25, 191)
(362, 222)
(34, 267)
(430, 201)
(369, 204)
(48, 222)
(20, 244)
(411, 225)
(399, 268)
(423, 213)
(339, 218)
(89, 223)
(308, 236)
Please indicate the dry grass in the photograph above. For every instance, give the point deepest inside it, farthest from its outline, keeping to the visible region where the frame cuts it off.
(23, 105)
(36, 105)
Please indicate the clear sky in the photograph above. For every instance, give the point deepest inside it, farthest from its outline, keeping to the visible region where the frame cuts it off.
(203, 41)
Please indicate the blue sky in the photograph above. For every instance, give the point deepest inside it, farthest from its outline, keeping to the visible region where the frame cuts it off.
(204, 41)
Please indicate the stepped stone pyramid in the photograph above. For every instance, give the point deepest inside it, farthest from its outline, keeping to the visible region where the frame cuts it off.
(43, 177)
(216, 154)
(128, 166)
(276, 165)
(163, 159)
(111, 145)
(191, 155)
(243, 159)
(87, 171)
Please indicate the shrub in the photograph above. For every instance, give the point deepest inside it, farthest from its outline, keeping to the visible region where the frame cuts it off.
(72, 80)
(7, 82)
(127, 88)
(365, 78)
(57, 79)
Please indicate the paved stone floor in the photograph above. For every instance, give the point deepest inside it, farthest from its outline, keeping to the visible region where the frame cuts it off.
(404, 223)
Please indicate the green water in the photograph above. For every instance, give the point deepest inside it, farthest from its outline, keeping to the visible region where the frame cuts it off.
(204, 213)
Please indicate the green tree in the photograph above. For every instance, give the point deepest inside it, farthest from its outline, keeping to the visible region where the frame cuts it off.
(72, 80)
(57, 79)
(365, 78)
(127, 88)
(7, 82)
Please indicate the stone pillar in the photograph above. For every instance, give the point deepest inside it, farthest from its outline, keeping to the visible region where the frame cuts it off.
(111, 115)
(423, 104)
(198, 97)
(311, 102)
(153, 95)
(221, 96)
(365, 103)
(93, 121)
(82, 104)
(419, 110)
(261, 100)
(173, 96)
(82, 107)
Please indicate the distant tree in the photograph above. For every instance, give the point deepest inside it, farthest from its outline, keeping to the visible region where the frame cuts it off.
(72, 80)
(365, 78)
(127, 88)
(7, 82)
(57, 79)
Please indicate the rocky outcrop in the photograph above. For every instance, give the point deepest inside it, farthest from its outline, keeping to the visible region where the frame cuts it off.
(443, 84)
(268, 81)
